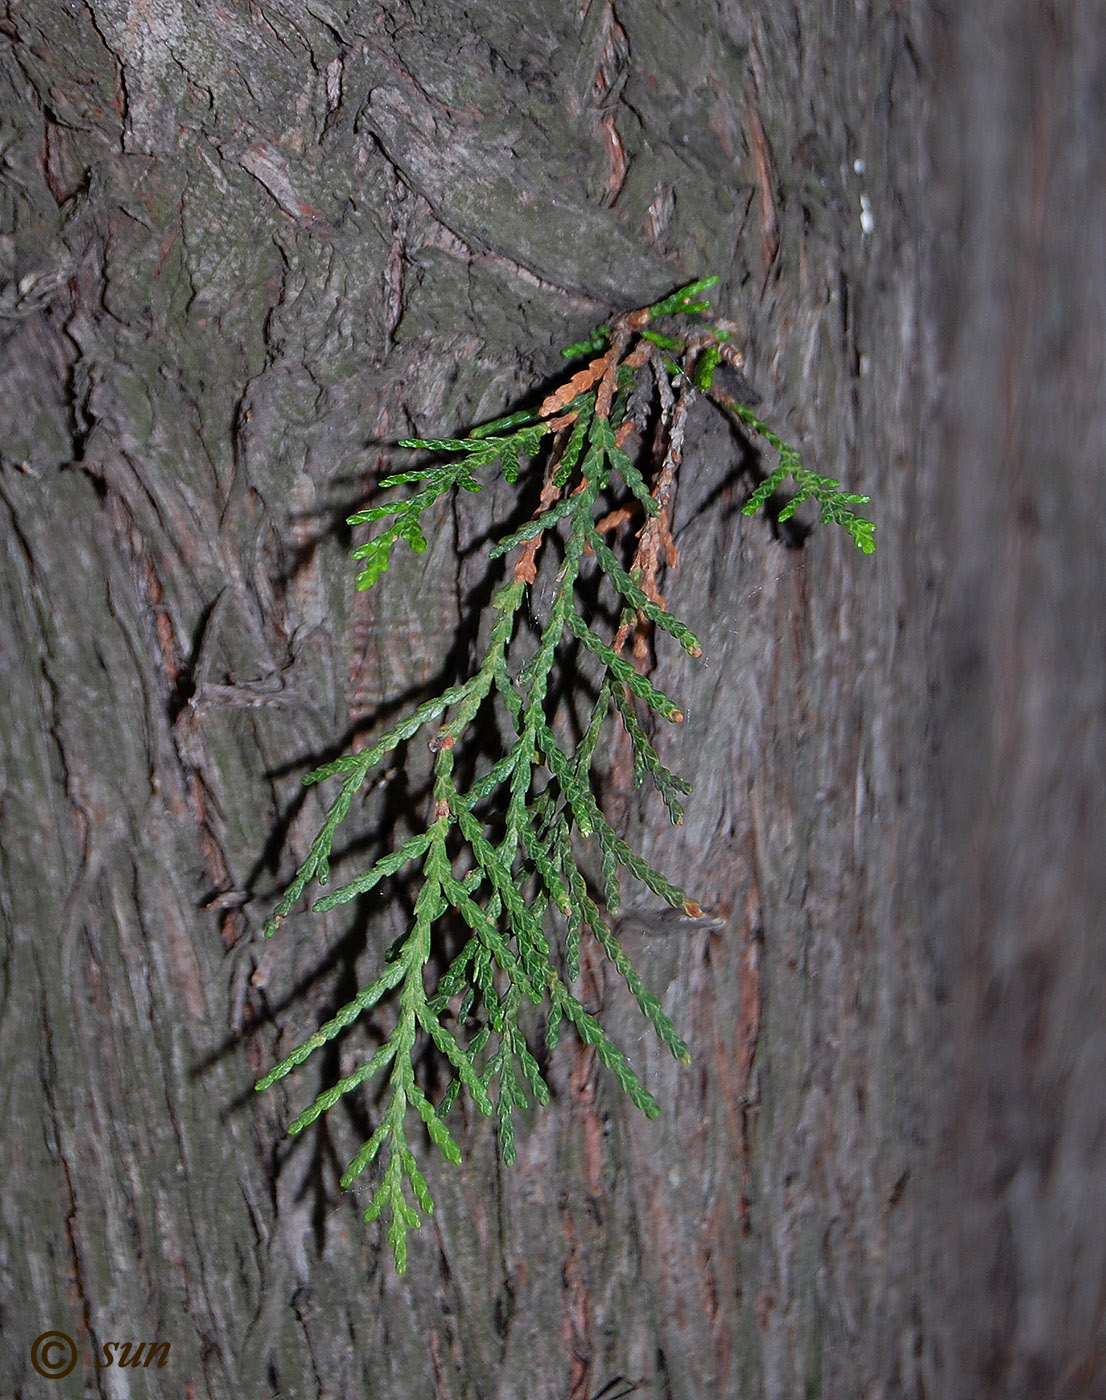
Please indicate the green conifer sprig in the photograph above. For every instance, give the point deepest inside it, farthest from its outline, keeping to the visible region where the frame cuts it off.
(505, 853)
(837, 505)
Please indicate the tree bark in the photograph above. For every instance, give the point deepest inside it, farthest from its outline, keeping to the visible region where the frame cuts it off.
(247, 247)
(1019, 296)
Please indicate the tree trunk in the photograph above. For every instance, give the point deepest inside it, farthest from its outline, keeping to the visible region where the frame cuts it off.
(1016, 450)
(247, 247)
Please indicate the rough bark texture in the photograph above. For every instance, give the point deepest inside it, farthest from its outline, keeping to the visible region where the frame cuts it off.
(244, 247)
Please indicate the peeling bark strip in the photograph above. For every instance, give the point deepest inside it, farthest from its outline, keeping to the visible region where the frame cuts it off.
(190, 374)
(267, 164)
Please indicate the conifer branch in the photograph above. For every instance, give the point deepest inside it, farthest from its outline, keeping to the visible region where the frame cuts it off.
(520, 831)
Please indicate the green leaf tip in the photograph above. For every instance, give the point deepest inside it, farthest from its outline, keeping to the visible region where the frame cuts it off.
(836, 505)
(684, 301)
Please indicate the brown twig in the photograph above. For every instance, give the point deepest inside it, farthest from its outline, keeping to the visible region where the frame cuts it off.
(655, 537)
(526, 569)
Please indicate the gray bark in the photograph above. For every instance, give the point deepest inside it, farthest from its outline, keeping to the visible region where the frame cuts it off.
(244, 248)
(1019, 301)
